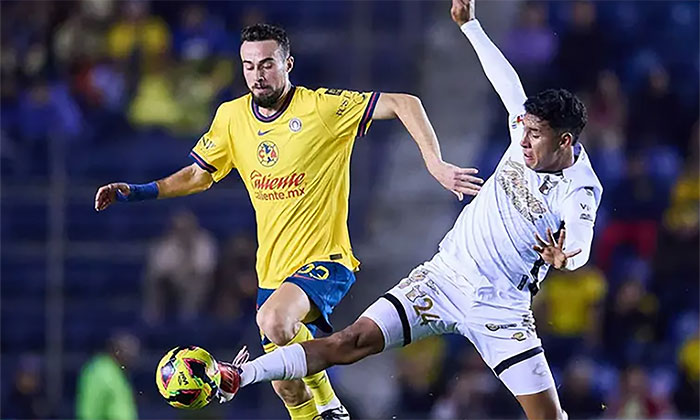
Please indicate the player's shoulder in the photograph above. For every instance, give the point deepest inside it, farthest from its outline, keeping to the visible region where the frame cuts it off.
(323, 92)
(325, 99)
(326, 93)
(582, 177)
(305, 95)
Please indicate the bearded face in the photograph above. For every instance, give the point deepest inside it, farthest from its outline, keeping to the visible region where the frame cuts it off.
(266, 70)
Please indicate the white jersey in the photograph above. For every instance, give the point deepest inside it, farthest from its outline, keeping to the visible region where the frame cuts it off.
(494, 234)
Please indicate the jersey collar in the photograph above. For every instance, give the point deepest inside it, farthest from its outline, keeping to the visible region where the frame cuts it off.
(260, 117)
(580, 160)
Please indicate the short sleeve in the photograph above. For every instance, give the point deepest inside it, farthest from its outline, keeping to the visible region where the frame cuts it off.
(213, 152)
(346, 113)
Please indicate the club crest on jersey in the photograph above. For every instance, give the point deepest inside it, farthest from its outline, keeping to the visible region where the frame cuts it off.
(268, 154)
(548, 184)
(295, 125)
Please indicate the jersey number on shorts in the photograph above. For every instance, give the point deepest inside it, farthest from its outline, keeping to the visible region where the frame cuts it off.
(425, 317)
(317, 272)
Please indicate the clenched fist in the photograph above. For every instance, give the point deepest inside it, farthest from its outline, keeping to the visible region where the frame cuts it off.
(462, 11)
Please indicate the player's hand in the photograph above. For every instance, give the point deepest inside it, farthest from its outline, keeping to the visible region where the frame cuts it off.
(458, 180)
(551, 251)
(462, 11)
(107, 194)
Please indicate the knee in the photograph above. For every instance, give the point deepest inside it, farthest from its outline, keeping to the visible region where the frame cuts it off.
(293, 393)
(278, 328)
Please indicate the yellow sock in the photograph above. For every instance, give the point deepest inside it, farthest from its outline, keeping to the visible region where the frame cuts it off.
(320, 387)
(307, 410)
(303, 411)
(318, 383)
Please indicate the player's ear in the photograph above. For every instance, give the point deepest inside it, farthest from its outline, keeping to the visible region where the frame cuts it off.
(289, 63)
(566, 139)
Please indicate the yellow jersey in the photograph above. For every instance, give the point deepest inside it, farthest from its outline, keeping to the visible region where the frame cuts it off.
(296, 167)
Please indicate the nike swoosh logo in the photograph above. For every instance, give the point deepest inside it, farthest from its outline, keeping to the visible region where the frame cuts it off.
(262, 133)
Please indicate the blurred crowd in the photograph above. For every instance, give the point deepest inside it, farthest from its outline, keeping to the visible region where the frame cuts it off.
(94, 71)
(621, 334)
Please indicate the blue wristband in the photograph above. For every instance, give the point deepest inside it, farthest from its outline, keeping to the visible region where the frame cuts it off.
(139, 192)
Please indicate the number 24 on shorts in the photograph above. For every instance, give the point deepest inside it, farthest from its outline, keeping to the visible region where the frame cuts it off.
(421, 310)
(416, 279)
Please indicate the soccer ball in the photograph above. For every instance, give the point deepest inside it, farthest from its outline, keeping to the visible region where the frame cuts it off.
(188, 377)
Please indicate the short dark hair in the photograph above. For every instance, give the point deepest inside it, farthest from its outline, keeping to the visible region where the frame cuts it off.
(266, 32)
(561, 109)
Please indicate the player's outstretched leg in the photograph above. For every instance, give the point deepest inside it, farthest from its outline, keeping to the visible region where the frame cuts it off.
(354, 343)
(542, 405)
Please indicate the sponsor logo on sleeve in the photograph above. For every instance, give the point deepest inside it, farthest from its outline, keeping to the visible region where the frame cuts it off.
(207, 143)
(334, 92)
(517, 120)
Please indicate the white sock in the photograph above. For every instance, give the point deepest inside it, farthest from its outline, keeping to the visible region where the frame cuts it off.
(334, 403)
(284, 363)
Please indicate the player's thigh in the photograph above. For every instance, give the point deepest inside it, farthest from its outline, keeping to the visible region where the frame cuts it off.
(543, 405)
(506, 338)
(289, 301)
(420, 306)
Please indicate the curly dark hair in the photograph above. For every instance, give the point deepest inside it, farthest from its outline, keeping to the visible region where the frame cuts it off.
(561, 109)
(265, 32)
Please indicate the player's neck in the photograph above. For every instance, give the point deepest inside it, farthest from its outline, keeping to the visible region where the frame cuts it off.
(562, 161)
(266, 112)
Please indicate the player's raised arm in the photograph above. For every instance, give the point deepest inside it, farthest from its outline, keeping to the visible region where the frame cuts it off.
(188, 180)
(410, 111)
(498, 70)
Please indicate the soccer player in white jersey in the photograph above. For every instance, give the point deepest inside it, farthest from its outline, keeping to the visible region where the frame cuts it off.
(481, 281)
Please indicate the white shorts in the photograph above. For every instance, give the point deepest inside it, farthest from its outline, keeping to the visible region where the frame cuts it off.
(436, 300)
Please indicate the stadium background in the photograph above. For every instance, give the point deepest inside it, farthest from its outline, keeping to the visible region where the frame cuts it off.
(84, 103)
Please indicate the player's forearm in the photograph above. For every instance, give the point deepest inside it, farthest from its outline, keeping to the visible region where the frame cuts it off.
(186, 181)
(579, 236)
(497, 68)
(409, 110)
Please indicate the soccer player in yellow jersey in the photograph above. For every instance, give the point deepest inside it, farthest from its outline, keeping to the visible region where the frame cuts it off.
(291, 146)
